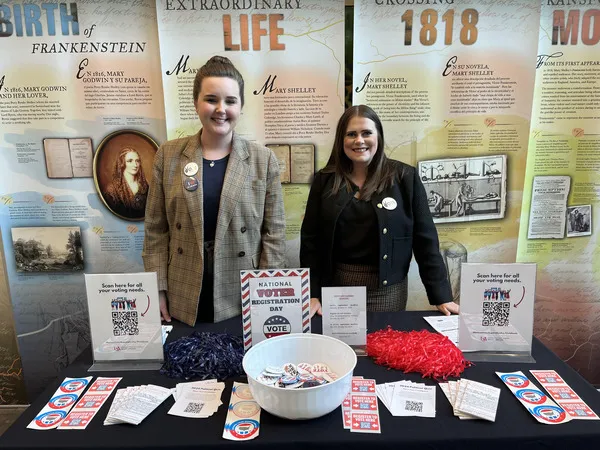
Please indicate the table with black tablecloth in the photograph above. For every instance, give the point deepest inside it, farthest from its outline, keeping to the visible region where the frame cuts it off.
(514, 427)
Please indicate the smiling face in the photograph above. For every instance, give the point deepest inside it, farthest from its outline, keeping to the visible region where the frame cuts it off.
(360, 141)
(218, 106)
(132, 163)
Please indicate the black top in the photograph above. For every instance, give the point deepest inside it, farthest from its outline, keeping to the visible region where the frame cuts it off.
(212, 184)
(404, 227)
(356, 240)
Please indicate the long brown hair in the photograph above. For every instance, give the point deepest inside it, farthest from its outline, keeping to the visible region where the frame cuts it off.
(218, 66)
(120, 189)
(380, 172)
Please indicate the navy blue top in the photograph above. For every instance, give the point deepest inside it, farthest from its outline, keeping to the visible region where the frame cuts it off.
(212, 185)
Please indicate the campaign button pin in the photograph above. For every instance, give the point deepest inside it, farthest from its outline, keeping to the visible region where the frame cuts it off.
(190, 184)
(190, 169)
(389, 203)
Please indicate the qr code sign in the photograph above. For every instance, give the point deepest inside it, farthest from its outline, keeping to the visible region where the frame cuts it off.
(496, 313)
(193, 408)
(125, 323)
(414, 406)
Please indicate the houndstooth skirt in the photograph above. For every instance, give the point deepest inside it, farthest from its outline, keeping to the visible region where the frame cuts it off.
(379, 299)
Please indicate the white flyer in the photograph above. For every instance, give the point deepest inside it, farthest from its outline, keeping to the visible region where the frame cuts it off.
(445, 325)
(477, 399)
(496, 307)
(198, 401)
(345, 314)
(124, 317)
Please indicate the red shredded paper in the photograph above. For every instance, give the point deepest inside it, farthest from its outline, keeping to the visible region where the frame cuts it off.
(430, 354)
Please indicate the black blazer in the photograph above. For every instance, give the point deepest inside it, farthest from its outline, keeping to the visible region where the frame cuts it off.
(405, 230)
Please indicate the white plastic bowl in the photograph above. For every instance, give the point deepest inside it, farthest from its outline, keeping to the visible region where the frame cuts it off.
(306, 403)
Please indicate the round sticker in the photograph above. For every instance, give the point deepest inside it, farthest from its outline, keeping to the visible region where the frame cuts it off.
(62, 401)
(276, 326)
(549, 413)
(242, 429)
(190, 169)
(389, 203)
(531, 396)
(73, 385)
(50, 418)
(245, 409)
(515, 380)
(190, 184)
(243, 391)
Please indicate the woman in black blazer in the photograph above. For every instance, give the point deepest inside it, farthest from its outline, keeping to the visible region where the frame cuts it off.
(366, 215)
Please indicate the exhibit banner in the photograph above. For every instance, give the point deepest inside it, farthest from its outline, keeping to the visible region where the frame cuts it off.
(452, 81)
(558, 229)
(291, 55)
(81, 117)
(496, 312)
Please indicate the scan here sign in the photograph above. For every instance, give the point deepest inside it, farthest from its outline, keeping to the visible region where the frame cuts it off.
(274, 303)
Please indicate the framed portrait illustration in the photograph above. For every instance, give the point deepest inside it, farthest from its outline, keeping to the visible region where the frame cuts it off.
(123, 172)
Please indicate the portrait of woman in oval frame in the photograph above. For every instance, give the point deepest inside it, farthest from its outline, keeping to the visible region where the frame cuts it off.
(123, 172)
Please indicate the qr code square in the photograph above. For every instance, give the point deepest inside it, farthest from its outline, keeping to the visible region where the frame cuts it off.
(496, 314)
(193, 408)
(414, 406)
(125, 323)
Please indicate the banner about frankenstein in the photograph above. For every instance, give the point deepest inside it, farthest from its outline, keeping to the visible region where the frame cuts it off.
(453, 82)
(291, 55)
(81, 116)
(559, 220)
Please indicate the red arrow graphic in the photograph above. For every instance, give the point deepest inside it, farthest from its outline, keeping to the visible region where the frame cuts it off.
(517, 304)
(147, 307)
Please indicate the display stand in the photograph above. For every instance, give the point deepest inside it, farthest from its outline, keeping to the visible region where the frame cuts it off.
(274, 302)
(496, 312)
(345, 316)
(124, 321)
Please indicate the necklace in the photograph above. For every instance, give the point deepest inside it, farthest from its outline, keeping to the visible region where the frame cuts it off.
(212, 164)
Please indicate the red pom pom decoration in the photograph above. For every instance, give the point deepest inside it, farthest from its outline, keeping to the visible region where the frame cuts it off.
(431, 354)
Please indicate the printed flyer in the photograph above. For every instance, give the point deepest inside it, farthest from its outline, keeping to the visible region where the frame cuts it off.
(124, 317)
(81, 117)
(558, 228)
(452, 82)
(274, 303)
(496, 313)
(291, 55)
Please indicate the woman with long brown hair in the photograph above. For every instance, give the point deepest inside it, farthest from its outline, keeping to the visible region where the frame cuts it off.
(365, 217)
(126, 194)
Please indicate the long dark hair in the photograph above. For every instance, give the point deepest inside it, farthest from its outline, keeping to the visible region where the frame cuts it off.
(380, 172)
(218, 66)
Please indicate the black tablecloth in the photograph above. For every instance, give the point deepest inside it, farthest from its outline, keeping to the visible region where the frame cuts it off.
(514, 426)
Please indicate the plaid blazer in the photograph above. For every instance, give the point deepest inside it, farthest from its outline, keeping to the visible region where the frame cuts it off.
(250, 225)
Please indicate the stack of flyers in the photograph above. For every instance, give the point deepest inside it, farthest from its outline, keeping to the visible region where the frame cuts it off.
(134, 403)
(243, 415)
(87, 407)
(472, 400)
(535, 401)
(360, 411)
(199, 399)
(405, 398)
(562, 394)
(59, 404)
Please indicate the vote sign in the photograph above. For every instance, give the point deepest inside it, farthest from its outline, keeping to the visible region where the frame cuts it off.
(274, 303)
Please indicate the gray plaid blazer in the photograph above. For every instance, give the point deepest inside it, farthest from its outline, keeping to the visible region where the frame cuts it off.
(250, 225)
